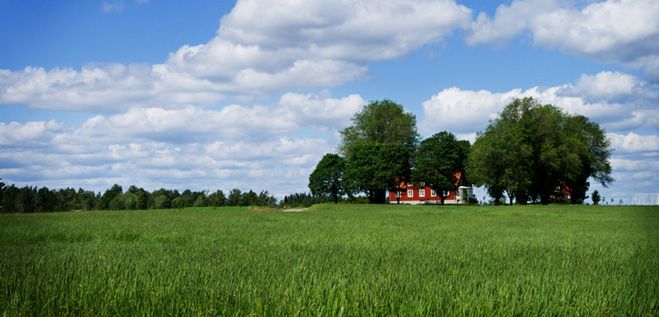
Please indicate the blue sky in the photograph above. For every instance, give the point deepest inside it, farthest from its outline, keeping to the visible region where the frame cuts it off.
(250, 94)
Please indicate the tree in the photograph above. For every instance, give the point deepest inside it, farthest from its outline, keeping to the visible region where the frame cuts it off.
(141, 197)
(217, 198)
(87, 199)
(377, 147)
(162, 199)
(535, 151)
(200, 200)
(588, 141)
(596, 197)
(234, 198)
(326, 178)
(109, 195)
(266, 200)
(375, 168)
(2, 195)
(46, 200)
(436, 161)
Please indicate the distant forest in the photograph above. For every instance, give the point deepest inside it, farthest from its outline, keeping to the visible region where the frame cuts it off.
(29, 199)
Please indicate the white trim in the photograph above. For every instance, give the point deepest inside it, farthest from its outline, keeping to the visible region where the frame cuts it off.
(429, 202)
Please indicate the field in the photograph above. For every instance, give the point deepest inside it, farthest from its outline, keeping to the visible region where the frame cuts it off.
(333, 260)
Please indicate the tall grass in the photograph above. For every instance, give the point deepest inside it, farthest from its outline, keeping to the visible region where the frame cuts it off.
(333, 260)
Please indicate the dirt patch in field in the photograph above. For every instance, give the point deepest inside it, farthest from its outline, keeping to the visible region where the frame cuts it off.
(264, 209)
(295, 209)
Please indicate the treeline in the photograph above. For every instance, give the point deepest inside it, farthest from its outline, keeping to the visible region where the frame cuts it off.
(530, 153)
(29, 199)
(306, 200)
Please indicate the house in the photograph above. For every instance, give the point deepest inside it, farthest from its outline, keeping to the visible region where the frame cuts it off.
(422, 193)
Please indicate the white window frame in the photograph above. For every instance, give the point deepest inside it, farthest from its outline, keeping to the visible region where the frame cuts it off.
(410, 193)
(422, 192)
(433, 193)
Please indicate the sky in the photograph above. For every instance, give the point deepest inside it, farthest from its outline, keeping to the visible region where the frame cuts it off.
(208, 95)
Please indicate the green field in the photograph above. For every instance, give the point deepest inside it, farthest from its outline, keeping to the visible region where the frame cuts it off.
(333, 260)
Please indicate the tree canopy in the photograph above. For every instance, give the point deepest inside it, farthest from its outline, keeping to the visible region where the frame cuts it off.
(437, 159)
(537, 152)
(380, 122)
(377, 147)
(326, 179)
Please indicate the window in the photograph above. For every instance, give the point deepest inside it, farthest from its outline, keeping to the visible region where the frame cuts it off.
(422, 192)
(410, 193)
(433, 193)
(423, 184)
(409, 184)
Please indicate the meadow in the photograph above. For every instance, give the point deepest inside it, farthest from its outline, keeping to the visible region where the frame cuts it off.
(333, 260)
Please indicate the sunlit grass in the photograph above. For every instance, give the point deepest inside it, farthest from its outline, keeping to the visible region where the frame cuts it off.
(333, 260)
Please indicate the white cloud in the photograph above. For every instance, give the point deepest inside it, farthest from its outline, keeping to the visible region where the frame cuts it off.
(508, 21)
(607, 85)
(634, 143)
(34, 132)
(280, 165)
(320, 111)
(343, 30)
(235, 146)
(619, 31)
(615, 100)
(460, 110)
(235, 122)
(111, 87)
(257, 51)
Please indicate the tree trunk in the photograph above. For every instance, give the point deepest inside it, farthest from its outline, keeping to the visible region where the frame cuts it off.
(380, 196)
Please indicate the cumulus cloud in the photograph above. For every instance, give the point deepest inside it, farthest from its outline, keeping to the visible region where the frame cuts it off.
(237, 122)
(35, 132)
(343, 30)
(617, 101)
(618, 31)
(235, 146)
(634, 143)
(290, 45)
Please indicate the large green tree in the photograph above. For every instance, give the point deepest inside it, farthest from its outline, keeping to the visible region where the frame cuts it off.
(534, 152)
(326, 179)
(378, 146)
(375, 168)
(436, 161)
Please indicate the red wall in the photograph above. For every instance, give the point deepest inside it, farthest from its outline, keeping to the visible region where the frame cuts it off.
(404, 197)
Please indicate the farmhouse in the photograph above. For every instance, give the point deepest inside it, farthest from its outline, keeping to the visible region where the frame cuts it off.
(422, 193)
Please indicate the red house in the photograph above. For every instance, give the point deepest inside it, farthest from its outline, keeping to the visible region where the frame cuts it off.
(422, 193)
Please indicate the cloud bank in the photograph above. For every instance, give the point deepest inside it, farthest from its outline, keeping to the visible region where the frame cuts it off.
(255, 52)
(617, 31)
